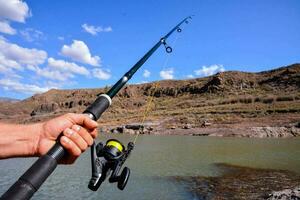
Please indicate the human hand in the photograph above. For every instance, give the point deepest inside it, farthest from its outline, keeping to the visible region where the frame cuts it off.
(78, 134)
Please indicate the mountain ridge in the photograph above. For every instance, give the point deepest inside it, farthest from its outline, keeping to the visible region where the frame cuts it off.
(232, 97)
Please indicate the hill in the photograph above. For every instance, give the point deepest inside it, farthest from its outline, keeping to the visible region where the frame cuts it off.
(6, 99)
(226, 100)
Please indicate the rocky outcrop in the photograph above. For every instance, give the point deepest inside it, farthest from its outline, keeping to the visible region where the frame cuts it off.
(276, 132)
(236, 182)
(287, 194)
(132, 129)
(214, 85)
(286, 79)
(45, 108)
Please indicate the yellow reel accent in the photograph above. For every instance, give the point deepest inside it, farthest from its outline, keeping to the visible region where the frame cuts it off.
(115, 144)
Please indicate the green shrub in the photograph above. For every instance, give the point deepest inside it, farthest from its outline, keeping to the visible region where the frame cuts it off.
(258, 99)
(285, 98)
(246, 100)
(268, 100)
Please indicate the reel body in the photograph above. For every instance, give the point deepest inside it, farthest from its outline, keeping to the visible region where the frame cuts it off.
(107, 161)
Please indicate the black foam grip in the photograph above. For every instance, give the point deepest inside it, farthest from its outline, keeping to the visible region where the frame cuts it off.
(98, 107)
(32, 179)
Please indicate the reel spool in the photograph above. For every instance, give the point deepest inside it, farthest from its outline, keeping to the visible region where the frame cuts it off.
(107, 160)
(111, 151)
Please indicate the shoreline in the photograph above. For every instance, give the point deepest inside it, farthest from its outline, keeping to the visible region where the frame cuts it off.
(266, 127)
(238, 182)
(291, 131)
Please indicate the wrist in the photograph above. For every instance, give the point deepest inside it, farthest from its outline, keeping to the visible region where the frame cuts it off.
(35, 134)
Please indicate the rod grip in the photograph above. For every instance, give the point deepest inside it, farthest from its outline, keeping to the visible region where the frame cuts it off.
(32, 179)
(98, 106)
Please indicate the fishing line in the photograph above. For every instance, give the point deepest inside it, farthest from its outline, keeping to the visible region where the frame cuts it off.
(106, 159)
(151, 96)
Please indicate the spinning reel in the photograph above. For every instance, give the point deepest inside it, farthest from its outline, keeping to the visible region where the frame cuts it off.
(107, 160)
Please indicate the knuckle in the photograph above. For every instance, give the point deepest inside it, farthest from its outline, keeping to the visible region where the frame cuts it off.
(65, 130)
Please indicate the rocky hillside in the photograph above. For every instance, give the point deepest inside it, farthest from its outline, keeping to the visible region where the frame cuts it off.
(228, 98)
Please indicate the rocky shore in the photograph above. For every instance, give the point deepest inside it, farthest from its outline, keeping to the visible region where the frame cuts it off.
(293, 194)
(244, 183)
(292, 130)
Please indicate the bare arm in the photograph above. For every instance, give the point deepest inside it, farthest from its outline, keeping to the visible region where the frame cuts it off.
(36, 139)
(18, 140)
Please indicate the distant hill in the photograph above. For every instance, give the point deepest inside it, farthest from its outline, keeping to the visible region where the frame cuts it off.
(6, 99)
(231, 97)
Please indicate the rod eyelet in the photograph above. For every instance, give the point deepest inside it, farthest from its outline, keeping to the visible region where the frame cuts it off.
(169, 49)
(179, 30)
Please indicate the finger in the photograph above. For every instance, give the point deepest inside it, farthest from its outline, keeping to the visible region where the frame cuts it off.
(84, 120)
(76, 138)
(84, 134)
(94, 133)
(70, 146)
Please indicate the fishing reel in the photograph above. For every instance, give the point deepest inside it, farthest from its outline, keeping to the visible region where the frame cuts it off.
(107, 160)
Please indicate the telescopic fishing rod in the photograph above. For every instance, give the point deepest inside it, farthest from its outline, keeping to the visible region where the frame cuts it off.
(113, 152)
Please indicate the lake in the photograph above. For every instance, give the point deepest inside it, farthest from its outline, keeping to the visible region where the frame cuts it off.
(155, 160)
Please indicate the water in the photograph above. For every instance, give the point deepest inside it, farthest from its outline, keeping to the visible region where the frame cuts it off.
(155, 160)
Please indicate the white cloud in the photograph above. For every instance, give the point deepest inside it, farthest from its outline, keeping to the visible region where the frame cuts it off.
(59, 70)
(210, 70)
(9, 64)
(14, 57)
(146, 73)
(30, 35)
(14, 10)
(167, 74)
(50, 73)
(15, 53)
(80, 52)
(6, 28)
(138, 83)
(60, 38)
(64, 66)
(4, 69)
(190, 76)
(94, 30)
(101, 74)
(16, 86)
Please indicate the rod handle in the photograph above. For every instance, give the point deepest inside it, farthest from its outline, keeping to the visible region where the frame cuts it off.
(32, 179)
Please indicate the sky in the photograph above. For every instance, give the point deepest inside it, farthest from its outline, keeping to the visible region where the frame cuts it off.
(90, 44)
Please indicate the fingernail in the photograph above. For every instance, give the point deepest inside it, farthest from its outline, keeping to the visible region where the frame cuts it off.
(77, 128)
(69, 132)
(65, 140)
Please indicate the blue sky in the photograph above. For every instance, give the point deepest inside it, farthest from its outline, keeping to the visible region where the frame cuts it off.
(89, 44)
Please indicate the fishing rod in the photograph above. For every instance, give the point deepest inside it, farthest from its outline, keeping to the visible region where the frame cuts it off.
(106, 159)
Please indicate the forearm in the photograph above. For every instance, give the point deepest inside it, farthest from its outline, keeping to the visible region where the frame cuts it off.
(19, 140)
